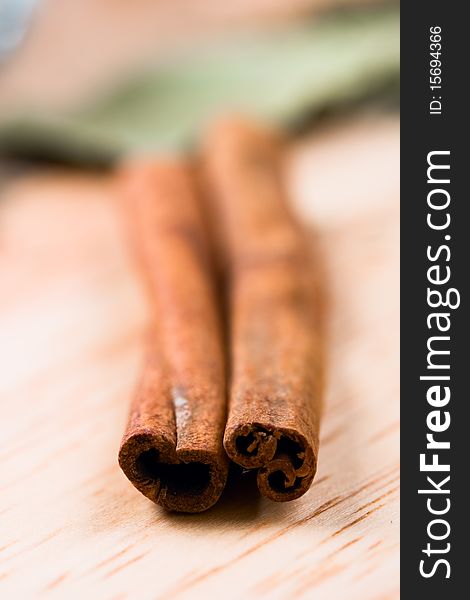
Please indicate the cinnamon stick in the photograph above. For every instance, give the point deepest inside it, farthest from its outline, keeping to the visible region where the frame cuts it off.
(172, 448)
(276, 379)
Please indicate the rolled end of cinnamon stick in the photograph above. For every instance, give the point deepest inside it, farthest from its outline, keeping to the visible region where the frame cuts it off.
(285, 459)
(172, 448)
(187, 481)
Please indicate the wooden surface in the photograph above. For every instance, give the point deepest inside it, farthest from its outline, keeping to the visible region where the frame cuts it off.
(72, 319)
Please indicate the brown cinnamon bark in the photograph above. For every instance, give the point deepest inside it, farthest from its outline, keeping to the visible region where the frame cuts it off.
(172, 449)
(276, 379)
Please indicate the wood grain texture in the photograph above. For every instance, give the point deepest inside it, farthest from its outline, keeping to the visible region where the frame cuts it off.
(73, 318)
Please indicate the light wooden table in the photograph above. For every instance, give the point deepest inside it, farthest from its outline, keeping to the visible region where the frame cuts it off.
(72, 319)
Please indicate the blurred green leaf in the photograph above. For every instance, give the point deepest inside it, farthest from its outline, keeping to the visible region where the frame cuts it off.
(277, 75)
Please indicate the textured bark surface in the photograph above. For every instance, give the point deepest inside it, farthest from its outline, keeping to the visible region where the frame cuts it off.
(275, 341)
(172, 449)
